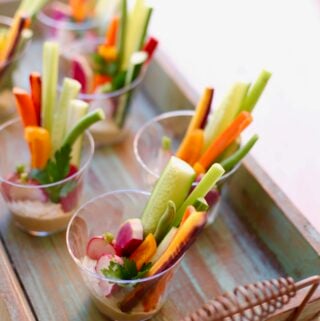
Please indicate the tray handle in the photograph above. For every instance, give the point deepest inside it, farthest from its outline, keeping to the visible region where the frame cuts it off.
(255, 302)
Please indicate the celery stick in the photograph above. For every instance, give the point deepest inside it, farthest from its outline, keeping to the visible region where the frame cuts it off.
(84, 123)
(77, 110)
(256, 91)
(225, 113)
(165, 222)
(200, 204)
(204, 186)
(121, 41)
(145, 29)
(234, 159)
(137, 60)
(49, 82)
(70, 90)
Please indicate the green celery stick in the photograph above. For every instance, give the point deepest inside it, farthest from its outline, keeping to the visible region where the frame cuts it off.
(136, 62)
(70, 90)
(77, 110)
(234, 159)
(225, 113)
(165, 221)
(84, 123)
(207, 182)
(49, 82)
(122, 35)
(145, 28)
(201, 204)
(256, 91)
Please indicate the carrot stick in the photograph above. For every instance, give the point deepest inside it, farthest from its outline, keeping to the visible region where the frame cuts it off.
(189, 210)
(109, 53)
(99, 80)
(150, 47)
(78, 10)
(39, 142)
(35, 85)
(191, 146)
(25, 107)
(223, 141)
(197, 120)
(111, 34)
(145, 251)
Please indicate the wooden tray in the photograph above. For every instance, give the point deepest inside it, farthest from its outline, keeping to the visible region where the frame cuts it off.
(258, 235)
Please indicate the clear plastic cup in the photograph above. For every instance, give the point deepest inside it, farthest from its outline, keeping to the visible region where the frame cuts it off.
(33, 207)
(106, 213)
(9, 73)
(152, 158)
(55, 26)
(107, 132)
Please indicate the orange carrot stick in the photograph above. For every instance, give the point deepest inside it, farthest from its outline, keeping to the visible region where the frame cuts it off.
(144, 251)
(111, 34)
(99, 80)
(189, 210)
(109, 53)
(223, 141)
(40, 147)
(197, 121)
(25, 107)
(35, 85)
(78, 9)
(191, 147)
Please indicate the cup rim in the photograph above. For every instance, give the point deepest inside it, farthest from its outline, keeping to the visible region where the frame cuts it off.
(67, 25)
(95, 274)
(175, 113)
(65, 180)
(66, 54)
(4, 20)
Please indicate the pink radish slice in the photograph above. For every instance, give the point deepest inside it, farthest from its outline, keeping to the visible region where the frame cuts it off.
(129, 237)
(20, 193)
(81, 71)
(59, 11)
(98, 246)
(103, 263)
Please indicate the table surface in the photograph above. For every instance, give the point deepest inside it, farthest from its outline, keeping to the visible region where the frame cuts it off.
(213, 42)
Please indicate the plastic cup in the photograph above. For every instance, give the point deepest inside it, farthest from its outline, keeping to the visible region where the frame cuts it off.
(32, 206)
(9, 76)
(106, 132)
(152, 158)
(106, 213)
(54, 25)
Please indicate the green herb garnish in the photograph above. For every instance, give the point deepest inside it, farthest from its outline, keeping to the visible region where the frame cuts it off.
(126, 271)
(56, 170)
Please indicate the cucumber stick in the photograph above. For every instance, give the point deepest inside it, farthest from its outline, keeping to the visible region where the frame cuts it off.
(225, 113)
(49, 83)
(256, 91)
(174, 184)
(84, 123)
(165, 222)
(77, 110)
(235, 158)
(201, 190)
(70, 90)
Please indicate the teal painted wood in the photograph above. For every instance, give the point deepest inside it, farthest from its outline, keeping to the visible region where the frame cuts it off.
(291, 238)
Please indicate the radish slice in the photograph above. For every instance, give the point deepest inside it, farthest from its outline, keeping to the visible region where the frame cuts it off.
(82, 72)
(129, 237)
(98, 247)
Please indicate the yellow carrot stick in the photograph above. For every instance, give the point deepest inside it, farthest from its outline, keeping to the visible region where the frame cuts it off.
(25, 107)
(201, 112)
(223, 141)
(40, 147)
(191, 147)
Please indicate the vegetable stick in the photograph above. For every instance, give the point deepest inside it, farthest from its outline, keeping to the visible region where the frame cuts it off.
(145, 251)
(235, 158)
(165, 221)
(225, 113)
(256, 91)
(99, 80)
(122, 35)
(223, 141)
(82, 125)
(111, 34)
(39, 142)
(25, 107)
(35, 86)
(77, 110)
(191, 146)
(109, 53)
(189, 210)
(201, 190)
(150, 47)
(145, 28)
(49, 82)
(70, 90)
(78, 9)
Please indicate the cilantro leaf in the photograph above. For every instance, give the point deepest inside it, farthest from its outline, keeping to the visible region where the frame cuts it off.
(126, 271)
(56, 170)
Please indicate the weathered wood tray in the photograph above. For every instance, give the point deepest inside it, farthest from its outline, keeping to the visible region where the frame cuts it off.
(258, 235)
